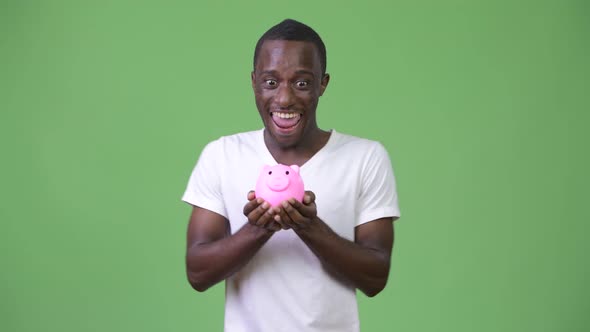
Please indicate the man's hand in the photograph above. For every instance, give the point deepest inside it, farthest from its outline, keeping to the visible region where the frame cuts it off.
(297, 215)
(260, 213)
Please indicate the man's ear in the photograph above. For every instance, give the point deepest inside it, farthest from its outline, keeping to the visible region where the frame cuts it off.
(253, 78)
(324, 83)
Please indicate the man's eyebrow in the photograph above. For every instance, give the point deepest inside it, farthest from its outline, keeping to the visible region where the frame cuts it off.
(307, 72)
(299, 72)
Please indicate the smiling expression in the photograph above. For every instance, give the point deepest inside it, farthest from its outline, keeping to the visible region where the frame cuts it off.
(287, 83)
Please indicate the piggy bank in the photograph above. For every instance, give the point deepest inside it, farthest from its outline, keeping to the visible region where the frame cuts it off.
(279, 183)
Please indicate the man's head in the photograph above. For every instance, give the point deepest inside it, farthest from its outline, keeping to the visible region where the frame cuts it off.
(289, 77)
(292, 30)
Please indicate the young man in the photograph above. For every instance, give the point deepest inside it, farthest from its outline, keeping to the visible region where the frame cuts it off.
(294, 267)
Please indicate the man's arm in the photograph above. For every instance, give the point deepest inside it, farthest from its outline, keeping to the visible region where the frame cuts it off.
(212, 254)
(363, 263)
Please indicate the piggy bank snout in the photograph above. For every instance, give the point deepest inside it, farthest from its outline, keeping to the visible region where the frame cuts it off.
(277, 183)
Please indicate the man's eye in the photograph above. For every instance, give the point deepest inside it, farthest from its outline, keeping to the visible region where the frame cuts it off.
(272, 83)
(302, 84)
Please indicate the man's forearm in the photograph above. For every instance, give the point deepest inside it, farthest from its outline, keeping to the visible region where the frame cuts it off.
(212, 262)
(365, 268)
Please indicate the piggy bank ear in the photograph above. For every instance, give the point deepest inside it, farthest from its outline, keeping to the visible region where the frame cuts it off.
(295, 168)
(265, 169)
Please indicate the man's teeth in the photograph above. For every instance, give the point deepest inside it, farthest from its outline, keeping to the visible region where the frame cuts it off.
(285, 115)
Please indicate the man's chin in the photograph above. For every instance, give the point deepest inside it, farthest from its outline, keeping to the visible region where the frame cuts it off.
(284, 137)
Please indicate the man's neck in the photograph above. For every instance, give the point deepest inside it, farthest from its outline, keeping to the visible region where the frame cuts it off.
(302, 152)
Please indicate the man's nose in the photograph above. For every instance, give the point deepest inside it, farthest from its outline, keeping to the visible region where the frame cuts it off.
(285, 96)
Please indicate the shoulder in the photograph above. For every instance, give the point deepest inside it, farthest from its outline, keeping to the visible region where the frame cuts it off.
(364, 154)
(235, 141)
(248, 137)
(357, 145)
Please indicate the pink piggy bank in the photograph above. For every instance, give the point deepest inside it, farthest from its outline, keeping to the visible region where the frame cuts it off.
(279, 183)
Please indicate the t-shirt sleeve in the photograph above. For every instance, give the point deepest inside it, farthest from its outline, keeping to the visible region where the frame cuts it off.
(204, 186)
(378, 196)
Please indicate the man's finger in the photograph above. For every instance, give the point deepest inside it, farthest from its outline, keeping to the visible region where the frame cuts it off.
(274, 211)
(260, 215)
(284, 218)
(266, 218)
(293, 213)
(252, 206)
(273, 226)
(308, 197)
(309, 210)
(251, 195)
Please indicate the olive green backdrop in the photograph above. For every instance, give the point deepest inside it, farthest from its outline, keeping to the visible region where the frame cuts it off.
(483, 106)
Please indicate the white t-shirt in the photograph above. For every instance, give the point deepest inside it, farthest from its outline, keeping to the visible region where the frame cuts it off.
(284, 286)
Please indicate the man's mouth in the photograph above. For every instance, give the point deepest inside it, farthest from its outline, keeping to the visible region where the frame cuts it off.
(286, 120)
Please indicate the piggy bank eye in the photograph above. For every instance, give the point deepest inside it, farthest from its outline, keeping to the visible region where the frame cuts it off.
(270, 172)
(287, 172)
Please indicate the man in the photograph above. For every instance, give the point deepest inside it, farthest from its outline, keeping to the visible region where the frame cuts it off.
(294, 267)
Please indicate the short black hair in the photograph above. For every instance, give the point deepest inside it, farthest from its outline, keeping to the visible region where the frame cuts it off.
(293, 30)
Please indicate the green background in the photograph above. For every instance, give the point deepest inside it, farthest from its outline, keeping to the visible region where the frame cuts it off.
(483, 106)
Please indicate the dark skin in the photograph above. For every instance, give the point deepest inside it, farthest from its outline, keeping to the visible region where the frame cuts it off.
(288, 79)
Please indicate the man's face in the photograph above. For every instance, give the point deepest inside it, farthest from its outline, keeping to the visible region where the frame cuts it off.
(287, 83)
